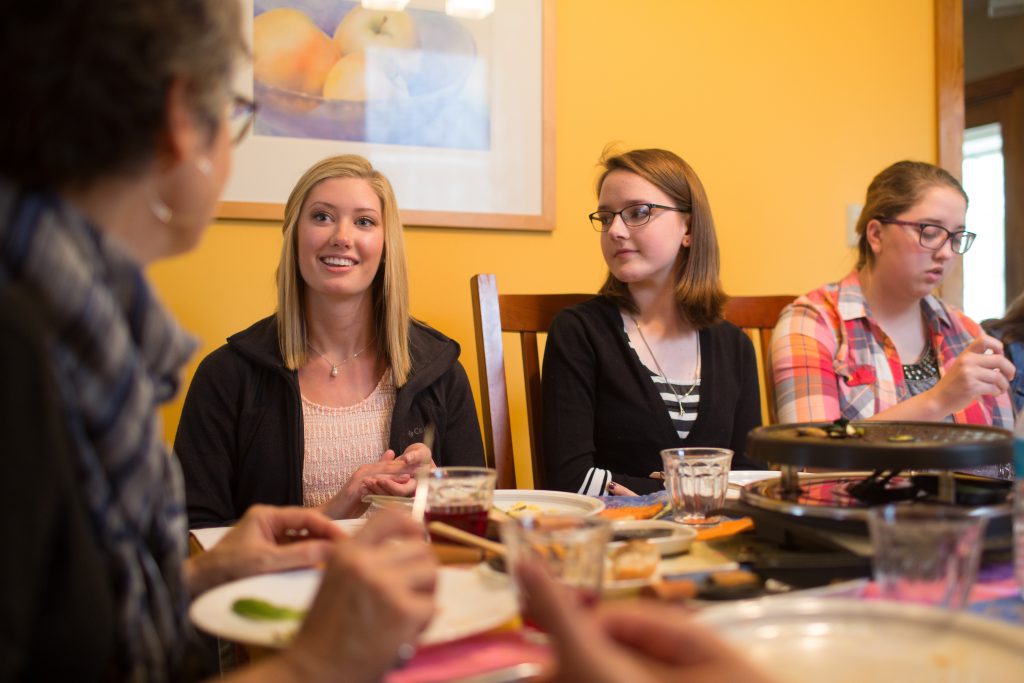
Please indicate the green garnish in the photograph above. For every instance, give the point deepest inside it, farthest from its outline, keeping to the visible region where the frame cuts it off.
(261, 610)
(902, 437)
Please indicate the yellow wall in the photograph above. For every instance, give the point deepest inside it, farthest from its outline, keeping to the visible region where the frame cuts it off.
(785, 108)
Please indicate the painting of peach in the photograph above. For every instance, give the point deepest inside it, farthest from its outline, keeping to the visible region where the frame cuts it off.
(333, 70)
(458, 113)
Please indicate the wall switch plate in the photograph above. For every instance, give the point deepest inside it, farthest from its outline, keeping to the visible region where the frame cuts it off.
(852, 214)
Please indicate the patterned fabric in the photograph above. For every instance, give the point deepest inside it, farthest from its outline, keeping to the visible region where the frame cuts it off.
(681, 398)
(830, 359)
(117, 356)
(922, 375)
(339, 440)
(673, 392)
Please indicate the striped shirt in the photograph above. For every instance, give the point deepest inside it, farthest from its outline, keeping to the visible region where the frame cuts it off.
(672, 392)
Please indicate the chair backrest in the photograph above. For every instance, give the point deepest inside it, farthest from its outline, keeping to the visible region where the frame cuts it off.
(531, 314)
(757, 315)
(526, 315)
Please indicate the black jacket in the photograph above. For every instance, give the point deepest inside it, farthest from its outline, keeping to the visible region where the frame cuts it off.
(240, 439)
(601, 408)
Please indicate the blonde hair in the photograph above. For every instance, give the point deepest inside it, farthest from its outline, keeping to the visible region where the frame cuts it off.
(895, 190)
(390, 287)
(698, 287)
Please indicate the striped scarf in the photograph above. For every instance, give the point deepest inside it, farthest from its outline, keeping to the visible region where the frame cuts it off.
(116, 357)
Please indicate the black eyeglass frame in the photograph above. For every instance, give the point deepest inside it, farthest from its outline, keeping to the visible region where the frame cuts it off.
(595, 217)
(966, 237)
(242, 108)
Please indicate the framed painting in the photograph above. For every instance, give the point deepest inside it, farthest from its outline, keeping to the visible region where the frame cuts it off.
(457, 112)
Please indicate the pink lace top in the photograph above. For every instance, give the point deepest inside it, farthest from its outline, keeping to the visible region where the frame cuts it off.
(339, 440)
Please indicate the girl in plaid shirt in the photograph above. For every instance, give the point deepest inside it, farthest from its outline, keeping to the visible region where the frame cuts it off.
(878, 343)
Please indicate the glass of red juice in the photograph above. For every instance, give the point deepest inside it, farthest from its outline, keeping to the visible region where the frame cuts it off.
(572, 549)
(459, 496)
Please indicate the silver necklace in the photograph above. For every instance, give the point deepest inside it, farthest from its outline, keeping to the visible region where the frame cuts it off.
(672, 388)
(334, 366)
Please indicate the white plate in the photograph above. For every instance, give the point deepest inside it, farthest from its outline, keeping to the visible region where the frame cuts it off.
(207, 538)
(741, 478)
(809, 640)
(548, 502)
(679, 540)
(467, 602)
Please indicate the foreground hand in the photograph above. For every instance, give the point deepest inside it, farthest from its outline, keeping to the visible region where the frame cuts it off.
(639, 642)
(980, 370)
(265, 539)
(377, 594)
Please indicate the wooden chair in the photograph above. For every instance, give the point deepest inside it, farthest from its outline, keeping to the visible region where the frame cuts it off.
(527, 315)
(531, 314)
(757, 315)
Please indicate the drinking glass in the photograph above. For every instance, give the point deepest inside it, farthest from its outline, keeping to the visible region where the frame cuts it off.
(571, 548)
(458, 496)
(926, 553)
(697, 480)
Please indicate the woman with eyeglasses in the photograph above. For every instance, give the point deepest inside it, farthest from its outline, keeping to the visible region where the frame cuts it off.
(879, 344)
(116, 146)
(649, 363)
(340, 393)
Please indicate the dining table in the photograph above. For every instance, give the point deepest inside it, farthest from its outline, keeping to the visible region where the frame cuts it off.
(510, 651)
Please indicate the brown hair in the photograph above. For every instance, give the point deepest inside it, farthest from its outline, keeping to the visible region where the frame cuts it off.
(390, 285)
(698, 287)
(1010, 327)
(87, 82)
(895, 190)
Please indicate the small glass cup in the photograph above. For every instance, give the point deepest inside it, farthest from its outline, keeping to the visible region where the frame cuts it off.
(926, 553)
(697, 480)
(458, 496)
(572, 549)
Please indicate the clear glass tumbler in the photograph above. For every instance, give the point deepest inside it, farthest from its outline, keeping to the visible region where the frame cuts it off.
(926, 553)
(697, 480)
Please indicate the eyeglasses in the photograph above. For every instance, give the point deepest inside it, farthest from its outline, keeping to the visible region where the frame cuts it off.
(240, 118)
(633, 216)
(933, 236)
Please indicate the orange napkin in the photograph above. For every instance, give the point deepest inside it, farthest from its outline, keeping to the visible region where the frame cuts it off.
(728, 528)
(631, 511)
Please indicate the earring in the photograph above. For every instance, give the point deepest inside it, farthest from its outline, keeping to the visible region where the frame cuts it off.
(204, 166)
(162, 212)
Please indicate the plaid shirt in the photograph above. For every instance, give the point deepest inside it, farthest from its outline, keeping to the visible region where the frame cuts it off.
(830, 359)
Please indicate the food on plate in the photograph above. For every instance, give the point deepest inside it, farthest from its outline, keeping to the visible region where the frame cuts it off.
(261, 610)
(520, 509)
(683, 589)
(645, 533)
(637, 559)
(840, 429)
(632, 512)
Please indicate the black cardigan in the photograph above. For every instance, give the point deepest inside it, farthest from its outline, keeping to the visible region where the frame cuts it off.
(601, 408)
(240, 439)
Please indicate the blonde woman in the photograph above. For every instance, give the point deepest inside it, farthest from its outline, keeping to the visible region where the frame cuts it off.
(330, 398)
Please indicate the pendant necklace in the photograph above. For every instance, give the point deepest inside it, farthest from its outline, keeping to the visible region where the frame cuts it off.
(335, 366)
(672, 388)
